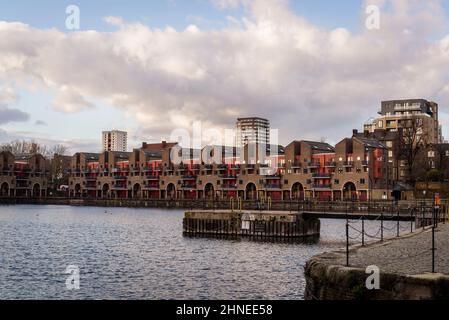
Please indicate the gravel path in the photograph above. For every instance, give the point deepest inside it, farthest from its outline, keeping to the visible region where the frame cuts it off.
(409, 255)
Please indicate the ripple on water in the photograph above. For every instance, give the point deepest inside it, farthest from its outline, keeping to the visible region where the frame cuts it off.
(141, 254)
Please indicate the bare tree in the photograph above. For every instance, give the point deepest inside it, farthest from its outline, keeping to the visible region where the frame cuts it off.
(32, 147)
(414, 140)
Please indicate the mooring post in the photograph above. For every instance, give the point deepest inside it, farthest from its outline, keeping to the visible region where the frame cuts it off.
(397, 224)
(382, 226)
(363, 230)
(423, 218)
(433, 249)
(347, 244)
(411, 220)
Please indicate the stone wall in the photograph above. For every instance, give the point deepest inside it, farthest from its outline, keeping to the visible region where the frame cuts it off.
(327, 281)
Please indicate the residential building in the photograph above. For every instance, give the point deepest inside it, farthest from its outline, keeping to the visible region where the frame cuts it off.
(354, 169)
(252, 130)
(397, 114)
(23, 175)
(115, 141)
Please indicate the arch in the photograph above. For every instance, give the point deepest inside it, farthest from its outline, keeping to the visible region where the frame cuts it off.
(251, 191)
(137, 189)
(209, 191)
(171, 191)
(105, 191)
(36, 190)
(297, 191)
(77, 190)
(4, 189)
(349, 191)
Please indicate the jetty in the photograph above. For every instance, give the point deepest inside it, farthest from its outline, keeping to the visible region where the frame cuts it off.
(250, 223)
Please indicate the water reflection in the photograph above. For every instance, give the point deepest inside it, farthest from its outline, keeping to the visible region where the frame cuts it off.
(142, 254)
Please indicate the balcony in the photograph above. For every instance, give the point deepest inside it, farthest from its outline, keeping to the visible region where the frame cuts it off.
(269, 186)
(296, 165)
(235, 167)
(273, 177)
(222, 167)
(120, 188)
(321, 176)
(228, 177)
(348, 164)
(188, 178)
(330, 164)
(152, 187)
(153, 178)
(188, 187)
(118, 169)
(120, 178)
(321, 186)
(229, 187)
(313, 164)
(365, 163)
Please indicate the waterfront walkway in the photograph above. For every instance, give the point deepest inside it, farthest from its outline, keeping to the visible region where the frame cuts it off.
(410, 254)
(405, 265)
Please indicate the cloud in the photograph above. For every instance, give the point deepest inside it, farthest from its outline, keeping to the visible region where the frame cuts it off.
(69, 100)
(41, 123)
(73, 145)
(7, 115)
(310, 82)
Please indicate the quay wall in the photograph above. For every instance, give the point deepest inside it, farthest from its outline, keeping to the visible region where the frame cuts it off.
(327, 278)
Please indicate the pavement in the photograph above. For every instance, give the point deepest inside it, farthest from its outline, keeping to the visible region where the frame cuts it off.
(409, 254)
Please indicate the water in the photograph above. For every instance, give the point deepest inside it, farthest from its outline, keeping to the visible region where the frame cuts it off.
(141, 254)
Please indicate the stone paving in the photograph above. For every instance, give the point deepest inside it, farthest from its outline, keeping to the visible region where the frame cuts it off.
(409, 254)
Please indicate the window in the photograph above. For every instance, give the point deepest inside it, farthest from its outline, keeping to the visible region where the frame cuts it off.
(390, 144)
(390, 154)
(336, 181)
(362, 181)
(431, 154)
(380, 124)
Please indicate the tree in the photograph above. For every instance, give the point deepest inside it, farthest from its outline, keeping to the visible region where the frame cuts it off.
(414, 140)
(18, 147)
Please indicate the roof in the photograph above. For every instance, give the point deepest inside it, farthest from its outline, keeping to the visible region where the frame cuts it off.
(276, 149)
(91, 156)
(371, 143)
(121, 155)
(320, 146)
(379, 134)
(158, 146)
(26, 156)
(252, 118)
(226, 150)
(153, 154)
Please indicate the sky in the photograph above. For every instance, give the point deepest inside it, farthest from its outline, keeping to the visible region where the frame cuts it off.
(155, 68)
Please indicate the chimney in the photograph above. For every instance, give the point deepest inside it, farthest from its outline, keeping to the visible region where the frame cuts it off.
(144, 145)
(164, 144)
(355, 132)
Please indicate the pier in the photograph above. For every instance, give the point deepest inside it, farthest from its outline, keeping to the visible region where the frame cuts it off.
(261, 224)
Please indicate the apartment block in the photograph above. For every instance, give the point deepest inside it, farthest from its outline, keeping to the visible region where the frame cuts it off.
(396, 114)
(115, 141)
(354, 169)
(23, 175)
(252, 130)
